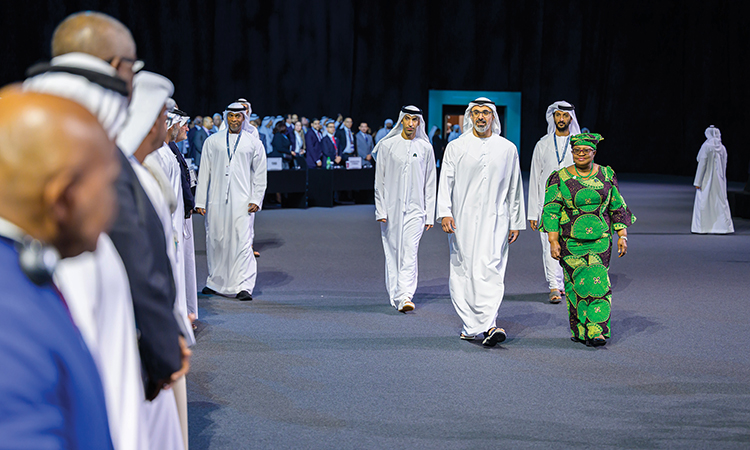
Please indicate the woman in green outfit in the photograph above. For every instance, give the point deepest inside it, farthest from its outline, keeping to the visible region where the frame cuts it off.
(583, 209)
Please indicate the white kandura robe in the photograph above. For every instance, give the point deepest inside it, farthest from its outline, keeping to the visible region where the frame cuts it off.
(96, 289)
(544, 161)
(184, 250)
(225, 190)
(169, 204)
(405, 184)
(711, 212)
(481, 188)
(167, 413)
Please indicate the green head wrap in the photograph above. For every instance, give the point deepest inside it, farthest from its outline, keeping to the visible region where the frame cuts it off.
(587, 139)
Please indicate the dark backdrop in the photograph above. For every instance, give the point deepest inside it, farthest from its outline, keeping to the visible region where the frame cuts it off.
(649, 76)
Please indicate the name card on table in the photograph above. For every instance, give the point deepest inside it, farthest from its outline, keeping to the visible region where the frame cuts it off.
(355, 162)
(274, 164)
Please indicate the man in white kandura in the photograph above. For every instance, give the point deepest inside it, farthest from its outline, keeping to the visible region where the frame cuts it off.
(405, 184)
(551, 153)
(480, 206)
(711, 212)
(141, 136)
(231, 186)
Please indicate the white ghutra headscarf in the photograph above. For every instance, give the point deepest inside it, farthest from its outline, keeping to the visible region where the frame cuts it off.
(482, 101)
(420, 133)
(562, 105)
(150, 94)
(246, 125)
(87, 80)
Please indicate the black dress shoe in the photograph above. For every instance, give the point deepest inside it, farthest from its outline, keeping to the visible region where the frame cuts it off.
(244, 296)
(208, 291)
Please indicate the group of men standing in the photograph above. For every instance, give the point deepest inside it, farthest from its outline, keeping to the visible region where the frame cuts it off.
(329, 142)
(479, 204)
(97, 248)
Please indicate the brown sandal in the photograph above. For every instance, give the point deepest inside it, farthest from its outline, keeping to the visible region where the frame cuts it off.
(555, 297)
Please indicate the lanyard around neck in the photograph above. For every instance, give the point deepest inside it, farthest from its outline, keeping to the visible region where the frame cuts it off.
(557, 152)
(230, 155)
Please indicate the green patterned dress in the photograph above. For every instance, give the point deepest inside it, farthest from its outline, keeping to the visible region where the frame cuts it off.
(586, 212)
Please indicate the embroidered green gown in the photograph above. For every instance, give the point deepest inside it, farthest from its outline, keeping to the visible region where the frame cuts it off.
(587, 212)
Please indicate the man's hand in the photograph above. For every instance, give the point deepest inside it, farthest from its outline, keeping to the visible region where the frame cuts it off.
(368, 158)
(383, 220)
(201, 211)
(449, 226)
(186, 353)
(294, 153)
(337, 160)
(319, 163)
(512, 236)
(533, 224)
(698, 187)
(252, 207)
(427, 226)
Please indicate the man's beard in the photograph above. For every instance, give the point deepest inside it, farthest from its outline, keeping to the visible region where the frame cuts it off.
(564, 126)
(235, 129)
(481, 128)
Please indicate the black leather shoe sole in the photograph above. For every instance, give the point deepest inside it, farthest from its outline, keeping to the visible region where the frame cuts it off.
(244, 296)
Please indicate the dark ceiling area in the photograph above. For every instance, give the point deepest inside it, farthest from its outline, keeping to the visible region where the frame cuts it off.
(649, 76)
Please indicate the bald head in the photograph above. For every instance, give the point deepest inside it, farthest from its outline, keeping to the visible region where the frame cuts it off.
(57, 169)
(93, 33)
(98, 35)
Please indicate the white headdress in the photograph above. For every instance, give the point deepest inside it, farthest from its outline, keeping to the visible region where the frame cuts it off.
(87, 80)
(398, 127)
(246, 125)
(562, 105)
(712, 144)
(483, 101)
(150, 94)
(175, 115)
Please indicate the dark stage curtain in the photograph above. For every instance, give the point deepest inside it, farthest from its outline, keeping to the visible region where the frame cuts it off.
(649, 76)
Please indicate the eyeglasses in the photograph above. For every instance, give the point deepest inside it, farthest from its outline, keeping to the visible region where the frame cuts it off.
(484, 112)
(581, 151)
(137, 64)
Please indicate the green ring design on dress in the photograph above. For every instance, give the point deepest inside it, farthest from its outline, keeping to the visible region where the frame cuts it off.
(593, 183)
(551, 193)
(582, 248)
(587, 227)
(599, 310)
(574, 261)
(588, 200)
(591, 281)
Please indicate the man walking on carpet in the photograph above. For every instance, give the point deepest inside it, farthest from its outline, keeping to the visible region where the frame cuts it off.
(231, 186)
(480, 206)
(405, 185)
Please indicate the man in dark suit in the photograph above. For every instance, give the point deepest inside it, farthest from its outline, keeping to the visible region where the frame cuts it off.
(312, 144)
(330, 147)
(346, 138)
(196, 137)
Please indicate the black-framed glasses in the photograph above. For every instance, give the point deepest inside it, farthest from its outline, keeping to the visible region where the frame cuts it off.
(581, 151)
(484, 112)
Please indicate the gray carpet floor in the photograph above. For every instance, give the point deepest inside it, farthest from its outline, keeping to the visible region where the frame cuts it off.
(320, 360)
